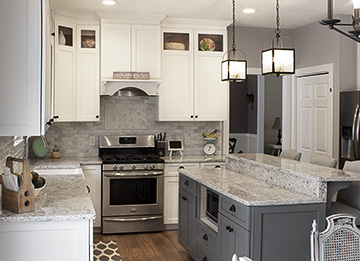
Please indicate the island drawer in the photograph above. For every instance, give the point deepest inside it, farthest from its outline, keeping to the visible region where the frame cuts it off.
(202, 255)
(235, 211)
(206, 238)
(188, 184)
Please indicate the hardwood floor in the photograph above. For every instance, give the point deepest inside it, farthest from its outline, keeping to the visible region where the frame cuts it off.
(148, 246)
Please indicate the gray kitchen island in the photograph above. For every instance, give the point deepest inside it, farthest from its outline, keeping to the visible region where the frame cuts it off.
(264, 207)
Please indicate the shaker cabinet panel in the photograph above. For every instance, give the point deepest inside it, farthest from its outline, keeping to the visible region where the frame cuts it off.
(171, 198)
(24, 42)
(115, 49)
(187, 212)
(146, 48)
(176, 89)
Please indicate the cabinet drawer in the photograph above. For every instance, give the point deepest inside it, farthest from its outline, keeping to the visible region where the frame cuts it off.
(172, 170)
(211, 165)
(235, 211)
(187, 184)
(201, 255)
(206, 238)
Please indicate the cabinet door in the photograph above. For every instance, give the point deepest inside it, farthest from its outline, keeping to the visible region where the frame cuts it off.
(171, 199)
(92, 175)
(176, 89)
(20, 63)
(187, 211)
(88, 83)
(115, 49)
(146, 49)
(211, 94)
(233, 239)
(65, 72)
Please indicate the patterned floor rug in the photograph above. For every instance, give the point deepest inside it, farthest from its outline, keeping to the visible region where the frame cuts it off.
(106, 251)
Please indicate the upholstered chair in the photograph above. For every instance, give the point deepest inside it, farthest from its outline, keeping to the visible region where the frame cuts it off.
(290, 154)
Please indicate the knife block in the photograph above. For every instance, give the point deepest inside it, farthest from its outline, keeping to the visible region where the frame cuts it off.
(23, 200)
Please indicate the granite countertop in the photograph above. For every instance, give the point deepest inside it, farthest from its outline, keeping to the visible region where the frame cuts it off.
(247, 190)
(64, 198)
(63, 163)
(298, 168)
(194, 158)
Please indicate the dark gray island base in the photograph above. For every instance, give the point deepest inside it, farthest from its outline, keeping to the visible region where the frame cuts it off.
(256, 217)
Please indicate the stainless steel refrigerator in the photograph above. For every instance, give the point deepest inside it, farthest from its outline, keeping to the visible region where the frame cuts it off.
(349, 127)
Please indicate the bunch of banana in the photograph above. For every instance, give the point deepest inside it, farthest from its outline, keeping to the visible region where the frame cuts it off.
(210, 135)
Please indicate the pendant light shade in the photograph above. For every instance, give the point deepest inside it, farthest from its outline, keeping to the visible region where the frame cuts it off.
(234, 65)
(278, 55)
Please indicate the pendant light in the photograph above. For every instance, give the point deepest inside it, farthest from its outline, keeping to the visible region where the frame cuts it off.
(233, 65)
(278, 60)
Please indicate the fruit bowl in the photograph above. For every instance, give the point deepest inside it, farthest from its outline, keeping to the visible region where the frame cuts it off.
(209, 139)
(37, 190)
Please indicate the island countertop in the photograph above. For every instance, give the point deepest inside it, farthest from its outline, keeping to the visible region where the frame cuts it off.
(247, 190)
(63, 198)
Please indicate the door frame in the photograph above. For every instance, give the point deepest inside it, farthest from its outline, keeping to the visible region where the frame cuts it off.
(290, 103)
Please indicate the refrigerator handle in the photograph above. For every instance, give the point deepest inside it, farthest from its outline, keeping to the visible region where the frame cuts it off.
(355, 133)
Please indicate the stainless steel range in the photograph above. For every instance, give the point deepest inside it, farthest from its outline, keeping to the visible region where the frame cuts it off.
(132, 184)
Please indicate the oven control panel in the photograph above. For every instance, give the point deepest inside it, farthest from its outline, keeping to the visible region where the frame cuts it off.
(132, 167)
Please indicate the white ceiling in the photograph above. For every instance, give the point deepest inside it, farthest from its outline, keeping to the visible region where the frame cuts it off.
(293, 13)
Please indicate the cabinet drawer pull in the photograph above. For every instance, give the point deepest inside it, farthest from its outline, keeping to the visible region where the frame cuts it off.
(232, 208)
(228, 228)
(205, 237)
(184, 198)
(186, 183)
(217, 167)
(181, 167)
(88, 189)
(204, 259)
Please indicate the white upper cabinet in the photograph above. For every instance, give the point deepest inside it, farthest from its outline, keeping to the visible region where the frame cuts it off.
(77, 83)
(24, 43)
(128, 47)
(192, 89)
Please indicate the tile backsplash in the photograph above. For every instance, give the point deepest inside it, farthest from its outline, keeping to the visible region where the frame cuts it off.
(121, 115)
(9, 148)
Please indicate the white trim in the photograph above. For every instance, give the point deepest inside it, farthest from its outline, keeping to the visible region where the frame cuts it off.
(260, 116)
(286, 111)
(358, 67)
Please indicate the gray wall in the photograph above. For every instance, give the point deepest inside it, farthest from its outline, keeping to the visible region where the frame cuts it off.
(243, 114)
(273, 108)
(123, 116)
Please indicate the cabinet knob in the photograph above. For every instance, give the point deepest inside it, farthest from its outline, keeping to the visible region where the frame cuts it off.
(192, 116)
(51, 120)
(184, 198)
(196, 116)
(228, 228)
(217, 167)
(56, 117)
(97, 116)
(48, 123)
(232, 208)
(205, 237)
(204, 259)
(186, 183)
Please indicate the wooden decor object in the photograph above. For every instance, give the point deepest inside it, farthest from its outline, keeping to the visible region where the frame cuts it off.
(23, 200)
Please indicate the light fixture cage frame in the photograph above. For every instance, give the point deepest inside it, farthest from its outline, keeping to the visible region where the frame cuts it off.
(227, 58)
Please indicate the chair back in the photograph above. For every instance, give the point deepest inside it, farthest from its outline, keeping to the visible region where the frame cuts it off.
(351, 195)
(290, 154)
(232, 145)
(243, 258)
(339, 241)
(323, 160)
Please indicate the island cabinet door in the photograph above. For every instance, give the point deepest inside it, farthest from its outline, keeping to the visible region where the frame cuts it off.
(187, 211)
(233, 239)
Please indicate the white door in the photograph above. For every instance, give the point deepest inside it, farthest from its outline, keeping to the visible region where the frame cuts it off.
(314, 115)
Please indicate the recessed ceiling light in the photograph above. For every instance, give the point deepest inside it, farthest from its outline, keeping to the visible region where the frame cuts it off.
(109, 2)
(249, 11)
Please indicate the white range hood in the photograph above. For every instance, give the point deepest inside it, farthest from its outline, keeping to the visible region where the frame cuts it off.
(110, 86)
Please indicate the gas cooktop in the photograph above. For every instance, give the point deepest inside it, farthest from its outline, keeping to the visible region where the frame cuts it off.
(131, 158)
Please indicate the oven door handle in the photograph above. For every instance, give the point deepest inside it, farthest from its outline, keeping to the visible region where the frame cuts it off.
(122, 174)
(131, 219)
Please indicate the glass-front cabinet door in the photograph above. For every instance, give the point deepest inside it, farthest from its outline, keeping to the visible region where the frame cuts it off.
(210, 42)
(65, 35)
(88, 39)
(176, 41)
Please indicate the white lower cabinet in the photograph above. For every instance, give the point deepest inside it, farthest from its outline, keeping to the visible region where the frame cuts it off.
(171, 191)
(92, 175)
(49, 240)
